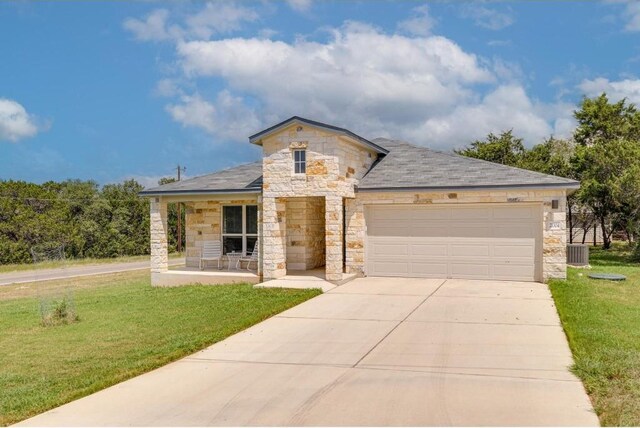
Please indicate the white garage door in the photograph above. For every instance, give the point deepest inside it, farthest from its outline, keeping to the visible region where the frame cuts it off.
(498, 241)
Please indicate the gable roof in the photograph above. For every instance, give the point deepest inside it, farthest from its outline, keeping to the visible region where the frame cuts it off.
(408, 167)
(246, 178)
(256, 138)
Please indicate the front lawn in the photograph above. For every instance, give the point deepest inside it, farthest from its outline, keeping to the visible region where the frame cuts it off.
(126, 328)
(602, 322)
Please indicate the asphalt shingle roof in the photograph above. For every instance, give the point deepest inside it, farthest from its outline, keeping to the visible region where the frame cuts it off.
(242, 178)
(405, 167)
(409, 166)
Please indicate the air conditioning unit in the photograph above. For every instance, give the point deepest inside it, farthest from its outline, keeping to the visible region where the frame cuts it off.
(577, 254)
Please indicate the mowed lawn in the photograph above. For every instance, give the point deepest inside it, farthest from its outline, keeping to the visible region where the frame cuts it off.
(602, 322)
(126, 328)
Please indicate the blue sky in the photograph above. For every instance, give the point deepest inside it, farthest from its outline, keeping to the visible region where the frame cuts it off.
(112, 90)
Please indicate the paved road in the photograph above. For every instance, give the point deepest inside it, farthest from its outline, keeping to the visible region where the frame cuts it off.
(74, 271)
(376, 352)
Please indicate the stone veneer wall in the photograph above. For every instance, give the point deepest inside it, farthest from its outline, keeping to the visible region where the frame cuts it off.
(158, 228)
(334, 166)
(553, 233)
(305, 233)
(203, 223)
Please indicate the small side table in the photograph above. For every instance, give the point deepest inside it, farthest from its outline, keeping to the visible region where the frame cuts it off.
(233, 258)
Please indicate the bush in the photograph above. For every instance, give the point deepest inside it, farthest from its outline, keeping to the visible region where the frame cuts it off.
(58, 312)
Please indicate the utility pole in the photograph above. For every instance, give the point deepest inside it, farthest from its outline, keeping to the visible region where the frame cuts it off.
(180, 169)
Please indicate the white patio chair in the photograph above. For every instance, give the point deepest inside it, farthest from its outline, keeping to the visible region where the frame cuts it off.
(253, 257)
(211, 250)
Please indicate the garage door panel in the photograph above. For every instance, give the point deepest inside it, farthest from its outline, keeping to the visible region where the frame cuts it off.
(526, 250)
(432, 269)
(470, 270)
(477, 250)
(514, 213)
(428, 249)
(471, 213)
(472, 231)
(390, 268)
(483, 242)
(389, 249)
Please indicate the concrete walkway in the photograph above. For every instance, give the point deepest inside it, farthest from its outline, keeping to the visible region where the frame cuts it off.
(75, 271)
(376, 351)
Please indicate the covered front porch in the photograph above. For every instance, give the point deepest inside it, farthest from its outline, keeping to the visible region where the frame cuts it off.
(294, 238)
(231, 221)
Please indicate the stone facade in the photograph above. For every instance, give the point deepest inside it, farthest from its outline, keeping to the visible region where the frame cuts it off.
(305, 233)
(158, 227)
(302, 217)
(203, 222)
(553, 228)
(335, 163)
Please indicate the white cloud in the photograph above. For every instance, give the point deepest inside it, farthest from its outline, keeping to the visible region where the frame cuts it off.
(214, 18)
(485, 17)
(420, 23)
(300, 5)
(219, 18)
(168, 88)
(15, 123)
(507, 107)
(424, 89)
(631, 13)
(228, 118)
(616, 90)
(152, 28)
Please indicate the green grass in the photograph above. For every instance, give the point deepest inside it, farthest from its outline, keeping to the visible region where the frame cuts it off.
(602, 322)
(126, 328)
(76, 262)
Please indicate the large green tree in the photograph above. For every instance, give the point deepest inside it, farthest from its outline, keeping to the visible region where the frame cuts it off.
(504, 148)
(607, 161)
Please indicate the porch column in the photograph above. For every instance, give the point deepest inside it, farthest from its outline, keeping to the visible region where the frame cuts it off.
(333, 232)
(274, 243)
(158, 226)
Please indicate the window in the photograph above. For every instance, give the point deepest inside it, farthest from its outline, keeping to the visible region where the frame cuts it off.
(300, 161)
(239, 228)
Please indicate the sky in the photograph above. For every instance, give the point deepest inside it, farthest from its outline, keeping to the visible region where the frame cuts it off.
(116, 90)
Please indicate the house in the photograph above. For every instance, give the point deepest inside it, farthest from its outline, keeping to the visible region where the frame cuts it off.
(323, 196)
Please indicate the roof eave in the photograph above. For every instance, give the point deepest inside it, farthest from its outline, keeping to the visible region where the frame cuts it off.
(257, 138)
(568, 186)
(151, 193)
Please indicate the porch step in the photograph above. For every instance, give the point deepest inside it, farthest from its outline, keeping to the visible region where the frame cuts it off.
(298, 281)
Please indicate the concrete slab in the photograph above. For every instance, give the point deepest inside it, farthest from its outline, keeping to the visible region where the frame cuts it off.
(503, 289)
(301, 341)
(538, 352)
(393, 286)
(365, 397)
(197, 393)
(469, 357)
(356, 307)
(487, 310)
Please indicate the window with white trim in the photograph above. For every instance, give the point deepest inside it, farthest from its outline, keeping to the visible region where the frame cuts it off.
(239, 228)
(300, 161)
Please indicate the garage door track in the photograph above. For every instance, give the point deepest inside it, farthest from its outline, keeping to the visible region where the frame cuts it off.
(376, 351)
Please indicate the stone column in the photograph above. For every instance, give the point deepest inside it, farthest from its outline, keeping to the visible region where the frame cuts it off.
(158, 226)
(554, 245)
(333, 235)
(274, 244)
(260, 239)
(354, 234)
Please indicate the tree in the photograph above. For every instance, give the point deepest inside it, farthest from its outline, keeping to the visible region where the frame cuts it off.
(607, 160)
(504, 148)
(600, 121)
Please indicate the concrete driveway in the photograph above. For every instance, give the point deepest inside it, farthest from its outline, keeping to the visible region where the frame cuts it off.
(376, 351)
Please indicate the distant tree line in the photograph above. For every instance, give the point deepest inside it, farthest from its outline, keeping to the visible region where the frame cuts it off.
(603, 154)
(88, 219)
